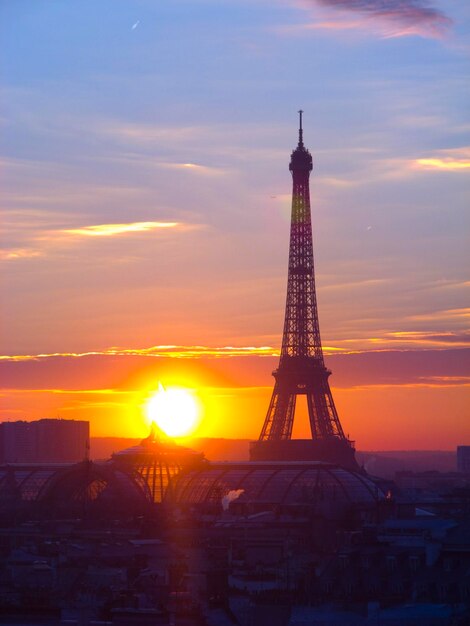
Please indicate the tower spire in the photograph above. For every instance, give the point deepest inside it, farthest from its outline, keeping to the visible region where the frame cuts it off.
(301, 368)
(301, 132)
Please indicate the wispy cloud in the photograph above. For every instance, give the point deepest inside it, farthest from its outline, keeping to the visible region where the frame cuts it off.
(425, 338)
(461, 314)
(413, 339)
(18, 253)
(75, 392)
(152, 134)
(387, 168)
(366, 283)
(108, 230)
(389, 18)
(424, 382)
(448, 381)
(190, 352)
(41, 242)
(442, 164)
(138, 370)
(193, 167)
(457, 159)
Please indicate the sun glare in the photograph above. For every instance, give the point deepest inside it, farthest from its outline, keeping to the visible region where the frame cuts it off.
(175, 410)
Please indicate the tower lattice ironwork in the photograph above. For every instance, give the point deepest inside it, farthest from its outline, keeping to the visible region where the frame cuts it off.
(301, 368)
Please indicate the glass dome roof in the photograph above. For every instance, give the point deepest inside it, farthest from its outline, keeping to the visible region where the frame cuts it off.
(270, 483)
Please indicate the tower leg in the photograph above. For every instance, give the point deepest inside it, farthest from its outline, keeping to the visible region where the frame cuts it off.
(324, 420)
(280, 416)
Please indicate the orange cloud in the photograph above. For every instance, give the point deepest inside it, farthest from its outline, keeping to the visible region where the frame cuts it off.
(42, 243)
(108, 230)
(452, 160)
(177, 352)
(442, 164)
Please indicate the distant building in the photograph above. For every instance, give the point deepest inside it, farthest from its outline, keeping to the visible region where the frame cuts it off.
(44, 441)
(463, 459)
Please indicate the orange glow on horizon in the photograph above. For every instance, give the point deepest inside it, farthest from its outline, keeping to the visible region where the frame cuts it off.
(232, 387)
(429, 415)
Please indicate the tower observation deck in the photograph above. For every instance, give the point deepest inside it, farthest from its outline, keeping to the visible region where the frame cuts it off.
(302, 369)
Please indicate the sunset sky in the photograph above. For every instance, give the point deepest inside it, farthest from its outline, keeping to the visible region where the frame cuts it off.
(145, 198)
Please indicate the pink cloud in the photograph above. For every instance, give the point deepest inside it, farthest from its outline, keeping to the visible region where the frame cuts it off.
(389, 18)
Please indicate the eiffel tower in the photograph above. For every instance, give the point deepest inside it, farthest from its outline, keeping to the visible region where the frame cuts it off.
(302, 368)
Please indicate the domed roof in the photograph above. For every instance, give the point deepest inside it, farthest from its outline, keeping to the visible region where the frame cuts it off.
(100, 483)
(156, 444)
(261, 484)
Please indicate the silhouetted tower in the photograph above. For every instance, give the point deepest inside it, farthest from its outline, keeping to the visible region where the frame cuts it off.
(301, 368)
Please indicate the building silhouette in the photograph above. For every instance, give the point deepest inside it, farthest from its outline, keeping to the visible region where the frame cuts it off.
(44, 441)
(463, 459)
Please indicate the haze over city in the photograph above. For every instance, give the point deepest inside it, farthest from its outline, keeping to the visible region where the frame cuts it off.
(146, 200)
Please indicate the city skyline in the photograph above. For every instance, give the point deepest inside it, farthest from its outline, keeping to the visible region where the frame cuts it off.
(148, 238)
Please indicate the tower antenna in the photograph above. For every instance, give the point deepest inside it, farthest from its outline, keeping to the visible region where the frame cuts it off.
(301, 132)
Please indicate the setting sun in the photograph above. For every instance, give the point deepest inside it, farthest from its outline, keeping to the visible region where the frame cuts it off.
(175, 410)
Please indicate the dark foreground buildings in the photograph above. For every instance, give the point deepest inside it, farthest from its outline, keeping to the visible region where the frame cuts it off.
(297, 536)
(44, 441)
(254, 543)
